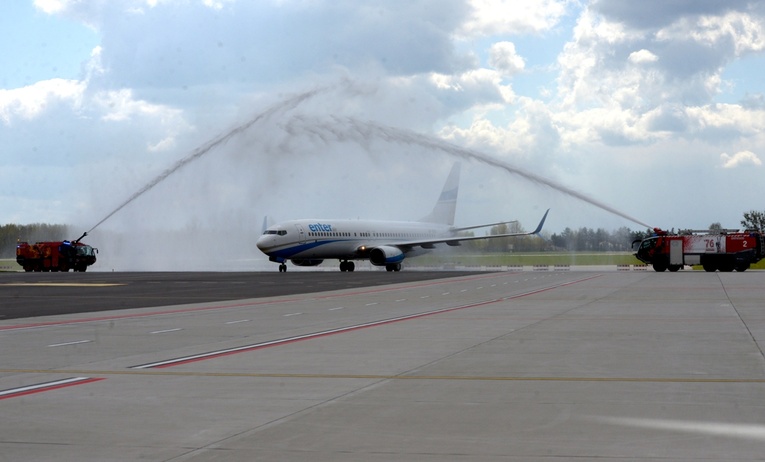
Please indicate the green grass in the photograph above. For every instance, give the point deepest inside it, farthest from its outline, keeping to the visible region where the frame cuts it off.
(543, 258)
(9, 264)
(530, 259)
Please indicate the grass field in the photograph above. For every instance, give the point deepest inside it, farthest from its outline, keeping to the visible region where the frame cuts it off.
(530, 259)
(9, 264)
(544, 258)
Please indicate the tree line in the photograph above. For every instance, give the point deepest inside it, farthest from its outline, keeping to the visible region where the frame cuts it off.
(582, 239)
(11, 234)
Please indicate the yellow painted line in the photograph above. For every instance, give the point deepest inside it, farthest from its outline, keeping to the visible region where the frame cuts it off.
(61, 284)
(155, 372)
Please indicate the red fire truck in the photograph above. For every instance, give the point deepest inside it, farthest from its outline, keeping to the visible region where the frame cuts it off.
(55, 255)
(724, 250)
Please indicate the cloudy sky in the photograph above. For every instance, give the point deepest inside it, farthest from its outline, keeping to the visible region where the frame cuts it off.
(349, 109)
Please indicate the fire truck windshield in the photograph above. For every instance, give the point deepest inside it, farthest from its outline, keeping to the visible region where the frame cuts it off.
(648, 243)
(85, 251)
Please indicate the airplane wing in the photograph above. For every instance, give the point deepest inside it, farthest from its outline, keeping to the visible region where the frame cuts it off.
(484, 226)
(455, 240)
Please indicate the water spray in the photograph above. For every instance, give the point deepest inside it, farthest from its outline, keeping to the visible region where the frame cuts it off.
(361, 132)
(282, 106)
(350, 129)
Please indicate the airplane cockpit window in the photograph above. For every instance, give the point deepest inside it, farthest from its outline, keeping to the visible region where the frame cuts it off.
(279, 232)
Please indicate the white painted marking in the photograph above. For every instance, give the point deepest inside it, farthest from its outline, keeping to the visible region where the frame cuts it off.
(237, 322)
(57, 383)
(401, 300)
(731, 430)
(371, 304)
(463, 290)
(292, 314)
(213, 354)
(425, 296)
(445, 293)
(166, 330)
(338, 308)
(70, 343)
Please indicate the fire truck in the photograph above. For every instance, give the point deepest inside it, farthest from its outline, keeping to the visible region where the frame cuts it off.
(55, 255)
(723, 250)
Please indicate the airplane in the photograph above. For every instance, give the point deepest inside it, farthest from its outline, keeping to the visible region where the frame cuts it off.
(308, 242)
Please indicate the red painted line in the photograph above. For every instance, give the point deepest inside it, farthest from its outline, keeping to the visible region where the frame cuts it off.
(48, 386)
(341, 330)
(226, 306)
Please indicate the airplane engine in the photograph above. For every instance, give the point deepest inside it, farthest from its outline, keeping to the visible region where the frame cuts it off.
(385, 255)
(306, 262)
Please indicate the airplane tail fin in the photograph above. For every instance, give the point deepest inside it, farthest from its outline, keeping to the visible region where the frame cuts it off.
(267, 222)
(443, 211)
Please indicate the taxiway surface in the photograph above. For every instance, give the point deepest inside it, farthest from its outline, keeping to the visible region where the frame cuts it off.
(486, 366)
(24, 295)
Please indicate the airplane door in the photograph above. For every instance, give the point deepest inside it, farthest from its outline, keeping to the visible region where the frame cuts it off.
(301, 233)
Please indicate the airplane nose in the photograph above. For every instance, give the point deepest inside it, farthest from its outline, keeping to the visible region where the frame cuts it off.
(262, 243)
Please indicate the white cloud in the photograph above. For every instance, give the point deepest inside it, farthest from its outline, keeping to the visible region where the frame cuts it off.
(51, 6)
(502, 17)
(28, 102)
(636, 85)
(738, 31)
(631, 80)
(504, 58)
(642, 57)
(740, 158)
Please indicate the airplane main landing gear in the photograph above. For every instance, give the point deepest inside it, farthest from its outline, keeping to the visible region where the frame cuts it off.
(394, 267)
(347, 266)
(283, 268)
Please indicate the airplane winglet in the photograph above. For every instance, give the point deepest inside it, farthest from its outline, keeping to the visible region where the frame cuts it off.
(541, 223)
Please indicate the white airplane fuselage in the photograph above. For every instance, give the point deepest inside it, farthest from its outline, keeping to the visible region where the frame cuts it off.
(308, 242)
(345, 239)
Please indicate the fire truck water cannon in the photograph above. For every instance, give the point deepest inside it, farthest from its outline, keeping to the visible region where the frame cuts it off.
(723, 250)
(55, 255)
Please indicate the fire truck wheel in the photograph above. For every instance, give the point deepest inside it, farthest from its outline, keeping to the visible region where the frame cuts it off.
(660, 267)
(727, 266)
(709, 267)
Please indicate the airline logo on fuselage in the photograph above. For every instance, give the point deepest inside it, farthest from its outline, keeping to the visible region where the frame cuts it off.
(320, 228)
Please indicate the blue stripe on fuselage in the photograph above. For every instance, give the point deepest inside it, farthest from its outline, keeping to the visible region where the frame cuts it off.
(288, 252)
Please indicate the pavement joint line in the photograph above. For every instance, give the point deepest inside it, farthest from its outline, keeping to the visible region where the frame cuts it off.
(475, 378)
